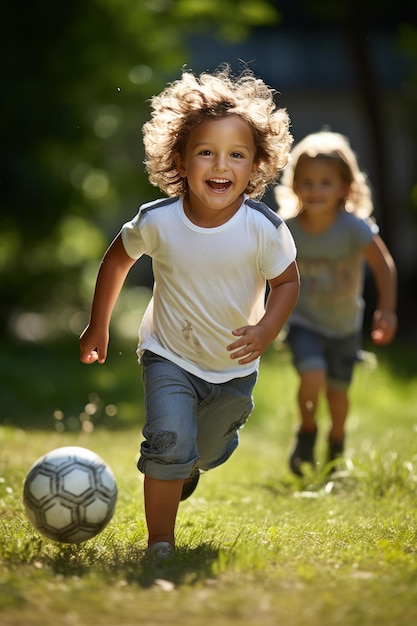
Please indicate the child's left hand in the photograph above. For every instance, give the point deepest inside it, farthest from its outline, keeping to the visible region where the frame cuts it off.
(384, 327)
(252, 342)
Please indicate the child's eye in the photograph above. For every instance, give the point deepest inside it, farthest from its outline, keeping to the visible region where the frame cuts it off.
(205, 152)
(237, 155)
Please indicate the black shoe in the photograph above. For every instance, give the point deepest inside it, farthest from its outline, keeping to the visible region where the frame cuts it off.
(303, 452)
(190, 485)
(336, 449)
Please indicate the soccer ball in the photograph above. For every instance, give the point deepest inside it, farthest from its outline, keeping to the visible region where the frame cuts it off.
(70, 494)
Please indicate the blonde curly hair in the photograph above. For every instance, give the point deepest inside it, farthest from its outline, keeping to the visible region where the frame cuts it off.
(187, 102)
(329, 145)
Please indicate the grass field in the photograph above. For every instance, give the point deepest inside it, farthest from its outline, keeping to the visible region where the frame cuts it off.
(255, 545)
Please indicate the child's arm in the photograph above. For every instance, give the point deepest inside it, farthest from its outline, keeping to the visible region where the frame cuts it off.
(384, 324)
(254, 340)
(113, 270)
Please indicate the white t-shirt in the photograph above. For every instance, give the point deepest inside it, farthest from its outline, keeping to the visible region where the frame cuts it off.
(208, 281)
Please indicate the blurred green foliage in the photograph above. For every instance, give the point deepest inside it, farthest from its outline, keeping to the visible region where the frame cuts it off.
(76, 81)
(76, 77)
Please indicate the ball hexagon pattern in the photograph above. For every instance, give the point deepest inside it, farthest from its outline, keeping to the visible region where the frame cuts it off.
(70, 494)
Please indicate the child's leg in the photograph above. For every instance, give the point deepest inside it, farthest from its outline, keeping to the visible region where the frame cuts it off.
(220, 418)
(168, 453)
(311, 383)
(338, 403)
(181, 411)
(162, 498)
(341, 358)
(307, 349)
(309, 359)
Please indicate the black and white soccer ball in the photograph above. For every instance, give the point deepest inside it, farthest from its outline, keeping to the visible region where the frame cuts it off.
(70, 494)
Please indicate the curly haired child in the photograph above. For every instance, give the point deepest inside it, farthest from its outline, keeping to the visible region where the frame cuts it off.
(213, 144)
(326, 201)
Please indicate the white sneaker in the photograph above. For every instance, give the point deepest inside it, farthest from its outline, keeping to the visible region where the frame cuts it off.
(160, 551)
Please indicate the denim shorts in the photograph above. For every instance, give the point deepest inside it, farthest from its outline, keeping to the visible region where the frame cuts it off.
(190, 423)
(336, 356)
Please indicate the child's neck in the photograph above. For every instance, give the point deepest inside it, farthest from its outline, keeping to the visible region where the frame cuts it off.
(206, 218)
(316, 223)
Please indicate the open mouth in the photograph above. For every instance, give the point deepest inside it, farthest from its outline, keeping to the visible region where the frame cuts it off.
(314, 201)
(219, 184)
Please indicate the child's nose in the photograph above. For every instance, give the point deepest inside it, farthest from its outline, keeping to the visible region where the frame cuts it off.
(220, 163)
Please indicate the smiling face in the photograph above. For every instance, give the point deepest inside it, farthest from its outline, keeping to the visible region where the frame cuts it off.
(218, 162)
(319, 184)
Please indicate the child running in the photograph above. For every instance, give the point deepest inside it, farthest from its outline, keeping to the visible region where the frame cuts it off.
(213, 144)
(326, 202)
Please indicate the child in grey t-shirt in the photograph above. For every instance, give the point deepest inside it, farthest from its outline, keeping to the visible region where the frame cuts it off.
(326, 202)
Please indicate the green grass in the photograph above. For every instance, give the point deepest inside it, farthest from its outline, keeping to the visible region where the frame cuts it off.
(255, 545)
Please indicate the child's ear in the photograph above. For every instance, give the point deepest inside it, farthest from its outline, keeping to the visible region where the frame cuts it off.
(347, 192)
(254, 171)
(179, 164)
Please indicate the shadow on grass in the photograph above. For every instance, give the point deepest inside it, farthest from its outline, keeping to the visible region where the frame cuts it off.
(130, 565)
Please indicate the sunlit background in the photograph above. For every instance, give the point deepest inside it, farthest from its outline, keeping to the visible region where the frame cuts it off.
(76, 81)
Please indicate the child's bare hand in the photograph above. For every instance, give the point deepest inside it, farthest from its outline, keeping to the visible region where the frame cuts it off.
(384, 327)
(251, 344)
(93, 345)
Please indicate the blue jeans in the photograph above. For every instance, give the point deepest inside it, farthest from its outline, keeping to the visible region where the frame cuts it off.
(190, 423)
(336, 356)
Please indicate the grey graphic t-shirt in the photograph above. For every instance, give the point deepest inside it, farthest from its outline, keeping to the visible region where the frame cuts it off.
(332, 272)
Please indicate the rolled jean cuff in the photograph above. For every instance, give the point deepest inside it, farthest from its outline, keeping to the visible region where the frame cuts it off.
(165, 471)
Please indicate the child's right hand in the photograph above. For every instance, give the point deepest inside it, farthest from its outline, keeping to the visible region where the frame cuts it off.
(93, 345)
(384, 327)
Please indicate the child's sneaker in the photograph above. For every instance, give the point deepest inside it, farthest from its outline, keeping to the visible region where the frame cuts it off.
(160, 551)
(336, 449)
(190, 484)
(303, 452)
